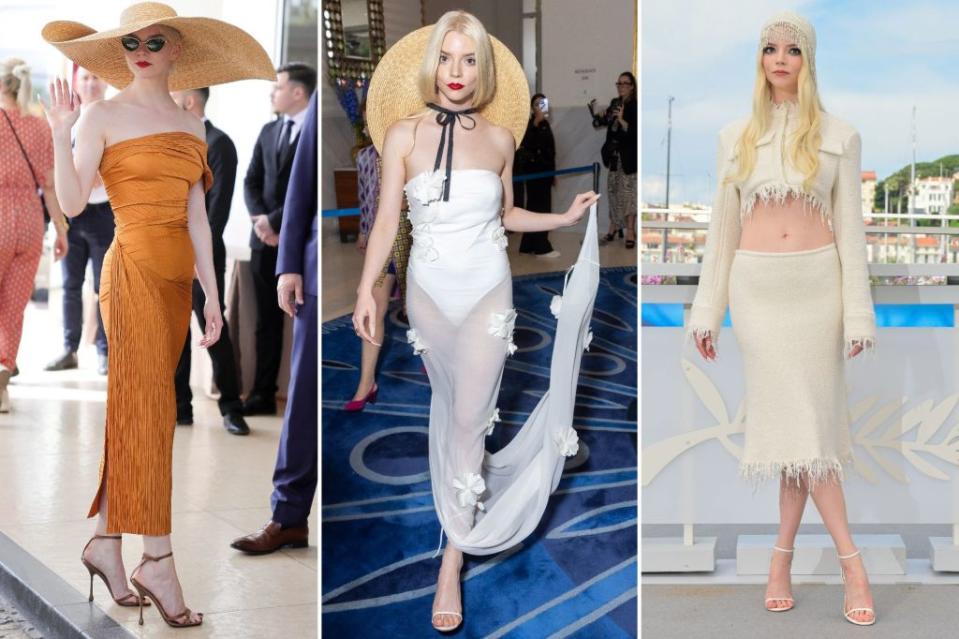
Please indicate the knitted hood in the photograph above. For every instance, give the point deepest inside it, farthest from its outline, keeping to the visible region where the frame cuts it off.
(790, 26)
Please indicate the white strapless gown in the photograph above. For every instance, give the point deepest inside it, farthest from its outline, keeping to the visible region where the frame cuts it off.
(460, 306)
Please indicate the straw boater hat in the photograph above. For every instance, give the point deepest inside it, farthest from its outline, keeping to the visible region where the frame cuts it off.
(214, 52)
(394, 95)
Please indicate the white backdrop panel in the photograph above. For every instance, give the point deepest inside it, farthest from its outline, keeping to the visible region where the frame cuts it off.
(910, 385)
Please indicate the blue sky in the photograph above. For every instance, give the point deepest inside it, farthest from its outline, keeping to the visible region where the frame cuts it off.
(875, 60)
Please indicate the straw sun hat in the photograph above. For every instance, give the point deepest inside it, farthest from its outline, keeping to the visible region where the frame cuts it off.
(214, 52)
(394, 95)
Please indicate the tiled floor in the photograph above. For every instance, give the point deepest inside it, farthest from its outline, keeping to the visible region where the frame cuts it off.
(342, 263)
(50, 449)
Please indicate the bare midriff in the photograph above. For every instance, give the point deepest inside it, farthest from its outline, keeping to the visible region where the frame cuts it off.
(782, 227)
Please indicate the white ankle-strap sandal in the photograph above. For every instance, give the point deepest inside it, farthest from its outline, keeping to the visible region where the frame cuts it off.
(789, 599)
(447, 628)
(847, 613)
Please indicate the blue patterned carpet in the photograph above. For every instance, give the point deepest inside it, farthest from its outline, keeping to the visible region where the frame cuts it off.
(575, 576)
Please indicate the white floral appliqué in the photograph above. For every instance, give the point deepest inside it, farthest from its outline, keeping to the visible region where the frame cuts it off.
(499, 238)
(492, 421)
(556, 305)
(427, 187)
(568, 442)
(501, 325)
(412, 337)
(469, 487)
(423, 242)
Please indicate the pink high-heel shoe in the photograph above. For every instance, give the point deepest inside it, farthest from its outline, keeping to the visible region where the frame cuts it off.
(356, 405)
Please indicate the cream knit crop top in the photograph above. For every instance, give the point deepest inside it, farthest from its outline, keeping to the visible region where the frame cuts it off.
(835, 193)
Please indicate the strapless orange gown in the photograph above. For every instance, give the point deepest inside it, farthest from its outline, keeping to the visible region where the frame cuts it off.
(145, 290)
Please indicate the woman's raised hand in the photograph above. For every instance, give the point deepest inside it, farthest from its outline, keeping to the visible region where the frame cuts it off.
(64, 108)
(580, 205)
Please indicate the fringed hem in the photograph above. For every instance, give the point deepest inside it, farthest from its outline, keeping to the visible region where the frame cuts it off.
(816, 471)
(778, 192)
(868, 346)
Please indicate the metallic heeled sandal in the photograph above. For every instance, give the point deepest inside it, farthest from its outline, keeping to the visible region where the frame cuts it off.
(179, 620)
(94, 570)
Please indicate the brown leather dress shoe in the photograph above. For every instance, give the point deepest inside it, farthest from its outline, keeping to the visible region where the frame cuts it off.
(272, 537)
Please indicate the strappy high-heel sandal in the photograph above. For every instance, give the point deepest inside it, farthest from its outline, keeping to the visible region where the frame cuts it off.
(789, 599)
(179, 620)
(458, 615)
(129, 600)
(848, 613)
(447, 628)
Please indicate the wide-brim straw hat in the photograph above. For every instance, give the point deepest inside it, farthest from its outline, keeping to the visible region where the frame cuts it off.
(213, 51)
(394, 94)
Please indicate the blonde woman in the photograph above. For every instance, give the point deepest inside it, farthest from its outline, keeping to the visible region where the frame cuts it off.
(438, 84)
(786, 249)
(26, 163)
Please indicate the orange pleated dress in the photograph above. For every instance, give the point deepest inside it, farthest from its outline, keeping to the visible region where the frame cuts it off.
(145, 290)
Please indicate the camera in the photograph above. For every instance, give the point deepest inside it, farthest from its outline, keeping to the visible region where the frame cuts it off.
(607, 117)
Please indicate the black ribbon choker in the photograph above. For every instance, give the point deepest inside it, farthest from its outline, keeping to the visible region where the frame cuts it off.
(447, 119)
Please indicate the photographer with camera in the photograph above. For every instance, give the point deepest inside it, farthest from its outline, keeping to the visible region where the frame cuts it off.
(619, 156)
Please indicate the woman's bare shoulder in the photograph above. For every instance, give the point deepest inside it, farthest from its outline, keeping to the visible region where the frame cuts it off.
(399, 137)
(402, 128)
(95, 117)
(501, 138)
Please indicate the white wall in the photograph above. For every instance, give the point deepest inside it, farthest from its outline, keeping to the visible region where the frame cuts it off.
(585, 46)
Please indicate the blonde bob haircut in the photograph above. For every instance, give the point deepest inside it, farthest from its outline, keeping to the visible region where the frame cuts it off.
(468, 25)
(804, 142)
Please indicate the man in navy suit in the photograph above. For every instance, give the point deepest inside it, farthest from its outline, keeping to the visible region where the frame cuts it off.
(294, 479)
(221, 156)
(264, 190)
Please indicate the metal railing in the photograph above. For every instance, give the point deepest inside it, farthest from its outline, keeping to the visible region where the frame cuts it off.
(895, 244)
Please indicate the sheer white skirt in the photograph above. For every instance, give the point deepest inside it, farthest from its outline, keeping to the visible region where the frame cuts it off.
(486, 502)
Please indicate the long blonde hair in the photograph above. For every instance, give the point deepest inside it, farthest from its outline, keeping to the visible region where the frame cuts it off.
(804, 142)
(470, 26)
(15, 80)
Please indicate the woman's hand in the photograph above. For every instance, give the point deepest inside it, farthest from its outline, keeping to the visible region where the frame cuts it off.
(856, 348)
(617, 114)
(361, 240)
(214, 322)
(578, 208)
(704, 344)
(60, 245)
(364, 317)
(64, 108)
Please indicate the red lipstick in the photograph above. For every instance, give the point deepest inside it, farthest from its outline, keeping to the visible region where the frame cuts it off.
(456, 86)
(143, 64)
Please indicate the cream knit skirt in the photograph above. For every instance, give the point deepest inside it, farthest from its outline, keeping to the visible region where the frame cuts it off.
(786, 311)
